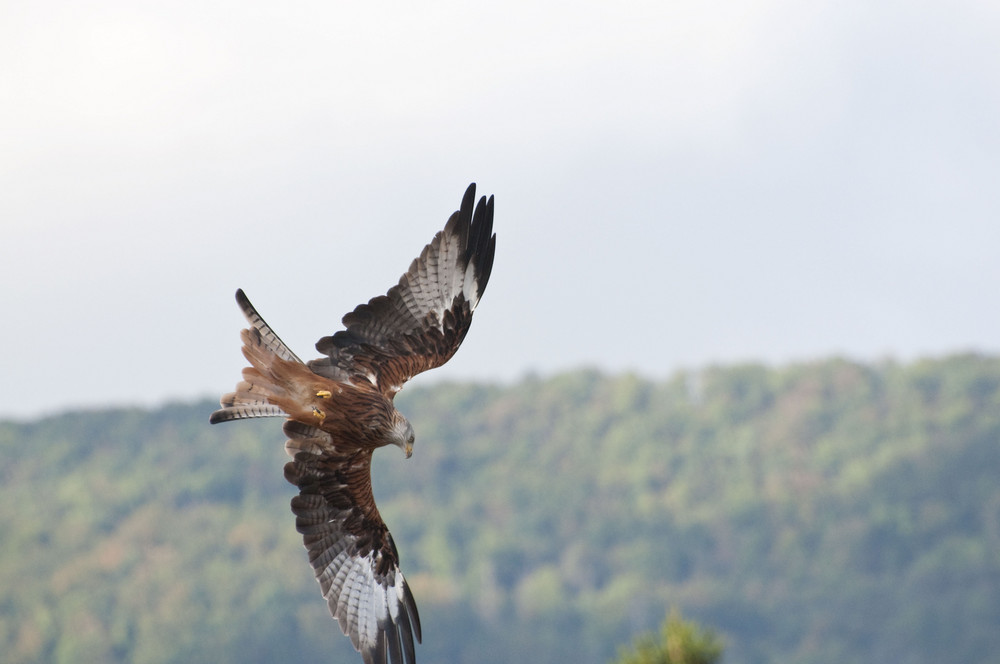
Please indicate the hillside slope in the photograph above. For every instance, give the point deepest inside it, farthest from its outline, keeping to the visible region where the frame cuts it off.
(815, 513)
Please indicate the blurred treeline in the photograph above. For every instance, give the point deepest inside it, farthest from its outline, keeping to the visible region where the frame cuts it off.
(822, 512)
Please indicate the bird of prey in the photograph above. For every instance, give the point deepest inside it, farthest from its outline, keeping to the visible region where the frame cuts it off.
(339, 409)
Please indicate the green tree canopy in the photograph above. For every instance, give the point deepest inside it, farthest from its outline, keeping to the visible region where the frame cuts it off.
(679, 642)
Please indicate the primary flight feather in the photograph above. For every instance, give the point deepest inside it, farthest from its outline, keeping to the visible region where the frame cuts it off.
(339, 409)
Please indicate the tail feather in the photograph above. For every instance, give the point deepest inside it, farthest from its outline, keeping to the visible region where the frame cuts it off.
(244, 411)
(254, 394)
(270, 340)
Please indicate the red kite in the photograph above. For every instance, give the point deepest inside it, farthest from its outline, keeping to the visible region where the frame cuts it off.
(340, 409)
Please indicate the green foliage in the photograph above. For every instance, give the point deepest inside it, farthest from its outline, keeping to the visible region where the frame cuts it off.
(680, 642)
(815, 513)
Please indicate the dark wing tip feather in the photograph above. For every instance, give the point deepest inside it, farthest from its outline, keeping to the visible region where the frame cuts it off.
(409, 650)
(468, 198)
(411, 613)
(391, 640)
(485, 240)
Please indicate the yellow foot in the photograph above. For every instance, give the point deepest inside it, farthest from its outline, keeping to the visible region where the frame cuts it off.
(325, 394)
(320, 415)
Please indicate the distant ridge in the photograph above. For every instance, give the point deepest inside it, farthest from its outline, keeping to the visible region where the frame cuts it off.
(825, 512)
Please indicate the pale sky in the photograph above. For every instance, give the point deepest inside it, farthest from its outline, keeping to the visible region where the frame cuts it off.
(677, 183)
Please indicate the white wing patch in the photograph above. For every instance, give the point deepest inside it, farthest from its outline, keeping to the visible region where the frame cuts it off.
(436, 279)
(365, 607)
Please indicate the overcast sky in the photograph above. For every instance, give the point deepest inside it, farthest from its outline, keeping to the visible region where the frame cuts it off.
(677, 183)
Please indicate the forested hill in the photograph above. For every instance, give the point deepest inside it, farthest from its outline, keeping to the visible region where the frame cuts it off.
(826, 512)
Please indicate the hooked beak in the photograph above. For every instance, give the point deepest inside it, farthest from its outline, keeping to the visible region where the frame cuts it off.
(409, 450)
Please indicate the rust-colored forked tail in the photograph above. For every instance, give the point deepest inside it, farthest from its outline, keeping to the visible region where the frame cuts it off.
(260, 390)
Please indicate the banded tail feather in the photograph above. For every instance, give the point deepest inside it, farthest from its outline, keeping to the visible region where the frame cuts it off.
(260, 346)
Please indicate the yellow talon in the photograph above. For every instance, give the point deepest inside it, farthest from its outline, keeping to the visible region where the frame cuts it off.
(319, 414)
(325, 394)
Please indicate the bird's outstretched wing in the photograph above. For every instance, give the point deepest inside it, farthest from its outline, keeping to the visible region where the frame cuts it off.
(421, 321)
(350, 548)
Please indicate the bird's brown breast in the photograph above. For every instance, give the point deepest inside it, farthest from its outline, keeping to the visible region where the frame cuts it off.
(349, 412)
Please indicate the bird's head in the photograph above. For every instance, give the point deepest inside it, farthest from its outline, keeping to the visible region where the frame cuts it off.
(402, 434)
